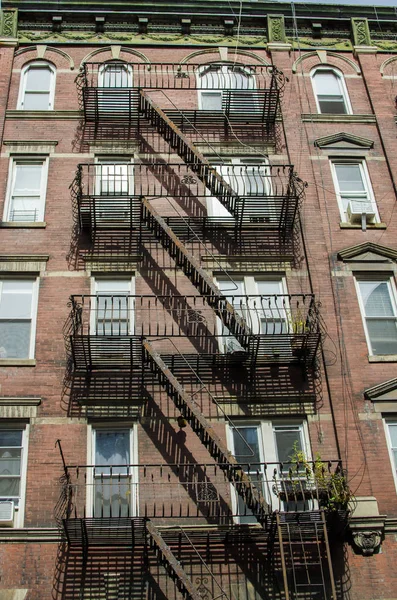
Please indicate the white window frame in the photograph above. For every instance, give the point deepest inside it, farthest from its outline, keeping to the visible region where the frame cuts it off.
(342, 87)
(221, 69)
(393, 299)
(134, 472)
(19, 514)
(94, 292)
(386, 422)
(12, 171)
(214, 207)
(361, 163)
(114, 160)
(23, 83)
(267, 448)
(33, 317)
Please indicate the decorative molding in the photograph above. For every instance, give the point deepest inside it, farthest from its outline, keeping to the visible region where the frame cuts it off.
(42, 49)
(30, 147)
(365, 49)
(279, 46)
(368, 541)
(43, 114)
(368, 252)
(361, 34)
(386, 63)
(19, 408)
(324, 118)
(24, 263)
(341, 57)
(9, 23)
(113, 48)
(366, 525)
(30, 534)
(14, 594)
(276, 29)
(241, 52)
(343, 141)
(383, 391)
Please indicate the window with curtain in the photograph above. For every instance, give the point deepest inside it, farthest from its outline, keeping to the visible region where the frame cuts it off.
(378, 307)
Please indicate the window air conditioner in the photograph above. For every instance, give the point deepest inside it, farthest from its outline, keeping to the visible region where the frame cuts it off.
(233, 347)
(6, 514)
(356, 210)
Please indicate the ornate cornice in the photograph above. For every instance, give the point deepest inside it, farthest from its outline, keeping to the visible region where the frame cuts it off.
(358, 251)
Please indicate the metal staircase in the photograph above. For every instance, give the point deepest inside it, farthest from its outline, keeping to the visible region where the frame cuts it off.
(302, 541)
(171, 564)
(187, 151)
(197, 275)
(251, 496)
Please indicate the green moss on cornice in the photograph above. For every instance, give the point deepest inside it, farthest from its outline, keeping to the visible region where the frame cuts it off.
(306, 43)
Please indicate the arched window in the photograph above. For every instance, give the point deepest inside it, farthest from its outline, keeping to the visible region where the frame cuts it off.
(37, 88)
(330, 91)
(225, 86)
(115, 75)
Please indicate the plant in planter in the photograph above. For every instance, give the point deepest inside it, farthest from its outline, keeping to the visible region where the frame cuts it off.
(298, 326)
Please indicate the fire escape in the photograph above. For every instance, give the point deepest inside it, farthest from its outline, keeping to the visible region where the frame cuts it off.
(140, 338)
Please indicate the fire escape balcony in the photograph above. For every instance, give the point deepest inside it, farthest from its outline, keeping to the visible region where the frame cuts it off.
(106, 332)
(108, 505)
(245, 94)
(259, 196)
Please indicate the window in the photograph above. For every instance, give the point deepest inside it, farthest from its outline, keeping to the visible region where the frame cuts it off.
(114, 177)
(391, 435)
(113, 309)
(37, 87)
(115, 75)
(254, 444)
(248, 178)
(215, 81)
(354, 191)
(378, 308)
(260, 302)
(113, 480)
(17, 318)
(26, 192)
(330, 92)
(13, 441)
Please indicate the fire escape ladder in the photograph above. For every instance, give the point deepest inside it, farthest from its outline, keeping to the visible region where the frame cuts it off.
(188, 152)
(305, 555)
(197, 275)
(251, 496)
(172, 565)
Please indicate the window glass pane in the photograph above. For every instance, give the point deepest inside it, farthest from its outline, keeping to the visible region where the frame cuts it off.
(36, 101)
(9, 487)
(10, 437)
(27, 178)
(116, 76)
(14, 339)
(376, 299)
(287, 438)
(211, 101)
(393, 434)
(25, 209)
(10, 461)
(349, 178)
(112, 447)
(383, 336)
(38, 79)
(16, 300)
(246, 444)
(327, 83)
(332, 105)
(107, 286)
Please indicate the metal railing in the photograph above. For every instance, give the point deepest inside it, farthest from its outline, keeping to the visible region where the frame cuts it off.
(153, 316)
(117, 74)
(199, 491)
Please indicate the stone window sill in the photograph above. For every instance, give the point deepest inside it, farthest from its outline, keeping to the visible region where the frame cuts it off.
(24, 224)
(344, 225)
(17, 362)
(381, 358)
(328, 118)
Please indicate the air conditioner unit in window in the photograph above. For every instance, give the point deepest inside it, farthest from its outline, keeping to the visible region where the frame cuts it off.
(6, 514)
(233, 347)
(356, 210)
